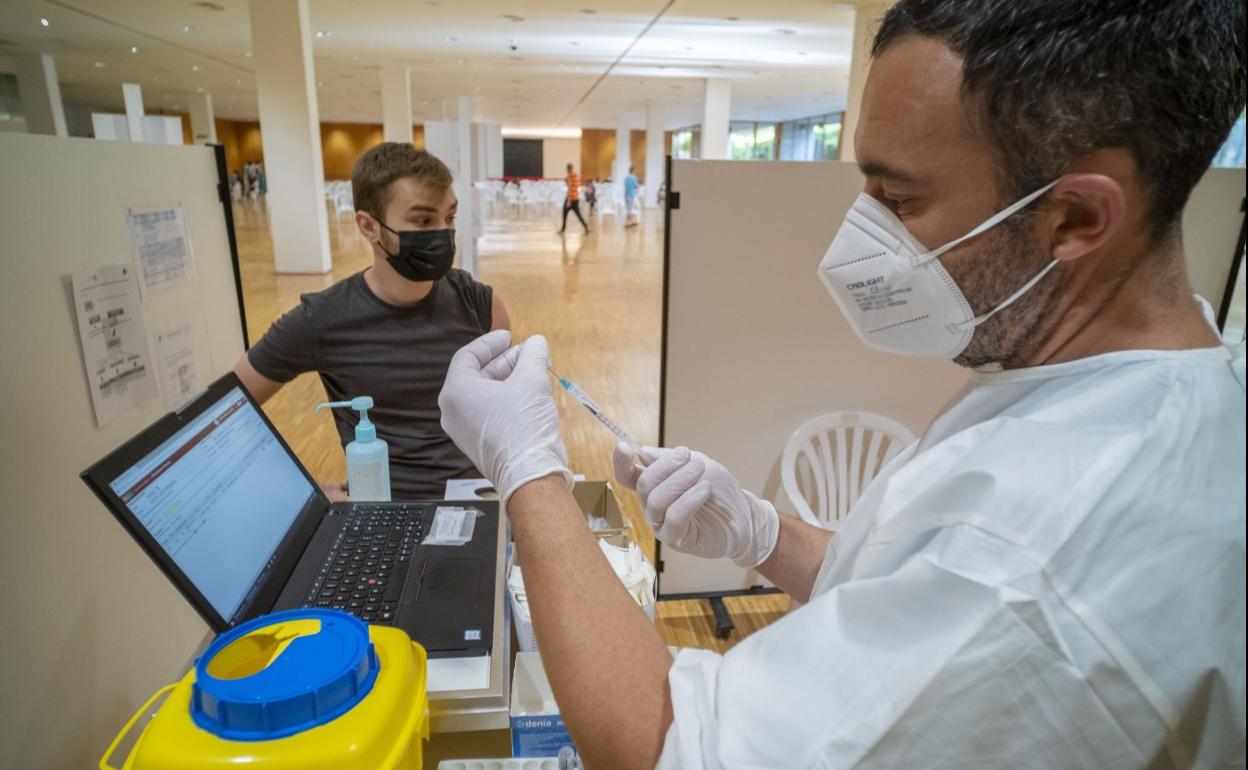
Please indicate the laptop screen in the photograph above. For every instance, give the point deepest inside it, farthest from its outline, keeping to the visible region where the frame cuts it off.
(219, 496)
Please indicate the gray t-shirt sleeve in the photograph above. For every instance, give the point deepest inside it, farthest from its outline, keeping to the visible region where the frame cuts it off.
(288, 348)
(477, 297)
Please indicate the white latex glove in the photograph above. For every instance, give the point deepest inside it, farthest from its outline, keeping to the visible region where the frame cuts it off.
(497, 408)
(696, 506)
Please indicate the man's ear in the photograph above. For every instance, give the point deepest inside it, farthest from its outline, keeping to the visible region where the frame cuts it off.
(368, 227)
(1084, 212)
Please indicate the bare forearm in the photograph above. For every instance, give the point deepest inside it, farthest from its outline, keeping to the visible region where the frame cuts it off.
(798, 555)
(586, 621)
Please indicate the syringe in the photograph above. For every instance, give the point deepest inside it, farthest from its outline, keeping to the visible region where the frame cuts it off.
(596, 411)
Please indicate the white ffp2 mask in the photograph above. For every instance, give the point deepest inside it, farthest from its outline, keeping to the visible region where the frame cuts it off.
(895, 293)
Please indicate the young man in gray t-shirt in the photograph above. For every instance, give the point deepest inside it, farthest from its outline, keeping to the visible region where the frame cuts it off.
(389, 331)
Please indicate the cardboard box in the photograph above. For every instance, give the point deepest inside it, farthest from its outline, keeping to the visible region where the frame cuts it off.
(595, 499)
(537, 729)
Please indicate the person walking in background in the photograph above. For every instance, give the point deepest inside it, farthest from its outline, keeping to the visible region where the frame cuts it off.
(591, 196)
(630, 198)
(572, 202)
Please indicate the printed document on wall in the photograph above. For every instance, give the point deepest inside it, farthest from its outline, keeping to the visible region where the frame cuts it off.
(114, 340)
(162, 247)
(175, 346)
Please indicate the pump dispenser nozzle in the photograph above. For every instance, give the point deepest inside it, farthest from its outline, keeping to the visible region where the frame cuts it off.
(365, 431)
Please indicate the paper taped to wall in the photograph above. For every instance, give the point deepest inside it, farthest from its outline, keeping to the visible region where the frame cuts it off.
(162, 247)
(176, 348)
(114, 340)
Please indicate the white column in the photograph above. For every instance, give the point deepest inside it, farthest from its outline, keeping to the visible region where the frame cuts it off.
(41, 94)
(463, 186)
(655, 161)
(396, 104)
(132, 95)
(866, 18)
(203, 119)
(478, 109)
(286, 92)
(715, 113)
(623, 151)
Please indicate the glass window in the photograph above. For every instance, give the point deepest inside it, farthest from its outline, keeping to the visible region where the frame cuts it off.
(1232, 153)
(684, 142)
(752, 141)
(10, 99)
(813, 138)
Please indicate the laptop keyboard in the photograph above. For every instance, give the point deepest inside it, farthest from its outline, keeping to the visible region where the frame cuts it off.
(368, 562)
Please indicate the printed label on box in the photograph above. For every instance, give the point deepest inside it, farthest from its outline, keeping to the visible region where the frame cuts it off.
(538, 736)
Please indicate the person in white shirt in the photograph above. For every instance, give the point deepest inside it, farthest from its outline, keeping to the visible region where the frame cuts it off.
(1053, 576)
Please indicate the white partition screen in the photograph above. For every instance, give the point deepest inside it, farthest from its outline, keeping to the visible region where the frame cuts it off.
(91, 626)
(754, 346)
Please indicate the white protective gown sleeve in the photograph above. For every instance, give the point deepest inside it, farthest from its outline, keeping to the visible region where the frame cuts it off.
(1053, 577)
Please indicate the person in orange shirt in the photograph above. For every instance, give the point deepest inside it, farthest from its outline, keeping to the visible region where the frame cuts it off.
(572, 202)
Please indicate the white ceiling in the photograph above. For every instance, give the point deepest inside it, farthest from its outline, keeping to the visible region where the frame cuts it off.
(785, 58)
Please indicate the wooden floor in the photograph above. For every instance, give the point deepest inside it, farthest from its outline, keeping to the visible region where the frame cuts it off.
(597, 298)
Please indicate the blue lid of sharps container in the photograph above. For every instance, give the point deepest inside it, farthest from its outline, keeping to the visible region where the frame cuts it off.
(316, 676)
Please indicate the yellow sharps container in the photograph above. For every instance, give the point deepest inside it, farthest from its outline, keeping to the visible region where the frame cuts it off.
(304, 689)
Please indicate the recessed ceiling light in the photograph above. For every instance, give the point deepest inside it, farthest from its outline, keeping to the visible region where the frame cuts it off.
(238, 82)
(355, 58)
(99, 65)
(319, 84)
(322, 33)
(249, 54)
(134, 49)
(194, 68)
(44, 22)
(188, 28)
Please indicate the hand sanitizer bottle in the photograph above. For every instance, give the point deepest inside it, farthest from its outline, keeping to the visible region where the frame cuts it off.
(368, 457)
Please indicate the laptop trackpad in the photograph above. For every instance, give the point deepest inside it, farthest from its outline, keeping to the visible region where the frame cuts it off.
(450, 582)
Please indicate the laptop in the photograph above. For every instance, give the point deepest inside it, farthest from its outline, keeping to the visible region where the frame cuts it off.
(218, 500)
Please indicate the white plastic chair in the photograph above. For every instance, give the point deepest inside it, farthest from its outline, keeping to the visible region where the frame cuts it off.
(830, 459)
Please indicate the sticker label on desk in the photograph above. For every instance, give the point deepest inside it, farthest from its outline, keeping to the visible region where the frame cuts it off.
(452, 525)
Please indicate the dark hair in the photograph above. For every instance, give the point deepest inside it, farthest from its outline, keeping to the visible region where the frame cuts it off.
(388, 161)
(1050, 81)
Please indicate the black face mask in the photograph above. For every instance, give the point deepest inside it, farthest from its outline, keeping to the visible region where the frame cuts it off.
(424, 255)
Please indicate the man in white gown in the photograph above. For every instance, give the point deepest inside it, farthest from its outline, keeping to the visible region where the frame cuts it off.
(1053, 576)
